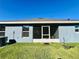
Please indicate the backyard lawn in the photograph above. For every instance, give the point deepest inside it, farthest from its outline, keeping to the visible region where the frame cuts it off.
(39, 51)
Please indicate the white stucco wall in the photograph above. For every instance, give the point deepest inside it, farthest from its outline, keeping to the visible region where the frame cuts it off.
(65, 32)
(18, 33)
(68, 34)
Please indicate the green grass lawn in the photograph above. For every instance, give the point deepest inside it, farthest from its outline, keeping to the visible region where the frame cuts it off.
(39, 51)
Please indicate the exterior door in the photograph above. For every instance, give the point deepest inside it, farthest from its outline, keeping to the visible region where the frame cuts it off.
(45, 32)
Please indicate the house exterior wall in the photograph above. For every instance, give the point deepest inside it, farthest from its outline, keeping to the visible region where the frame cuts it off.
(68, 34)
(65, 33)
(18, 33)
(9, 32)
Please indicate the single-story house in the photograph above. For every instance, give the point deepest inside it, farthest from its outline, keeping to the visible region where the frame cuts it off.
(41, 30)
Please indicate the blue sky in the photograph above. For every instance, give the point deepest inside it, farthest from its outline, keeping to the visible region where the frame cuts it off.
(28, 9)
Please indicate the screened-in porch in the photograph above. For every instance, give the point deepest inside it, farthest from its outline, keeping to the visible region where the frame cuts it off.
(45, 32)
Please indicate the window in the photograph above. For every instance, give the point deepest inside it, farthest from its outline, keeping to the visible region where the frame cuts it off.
(25, 31)
(77, 28)
(2, 30)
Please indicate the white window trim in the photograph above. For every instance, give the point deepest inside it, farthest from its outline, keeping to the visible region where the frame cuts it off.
(2, 31)
(25, 31)
(76, 28)
(45, 34)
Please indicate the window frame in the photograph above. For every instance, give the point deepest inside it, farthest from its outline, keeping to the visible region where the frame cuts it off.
(23, 31)
(77, 28)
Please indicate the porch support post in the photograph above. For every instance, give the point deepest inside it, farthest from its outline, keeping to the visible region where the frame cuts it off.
(49, 32)
(42, 32)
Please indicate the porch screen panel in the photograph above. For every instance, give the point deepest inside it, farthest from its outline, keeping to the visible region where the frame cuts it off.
(54, 32)
(2, 30)
(37, 32)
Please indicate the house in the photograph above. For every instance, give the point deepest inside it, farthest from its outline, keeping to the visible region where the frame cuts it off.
(41, 30)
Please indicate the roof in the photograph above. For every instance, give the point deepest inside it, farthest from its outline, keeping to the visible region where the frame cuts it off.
(39, 21)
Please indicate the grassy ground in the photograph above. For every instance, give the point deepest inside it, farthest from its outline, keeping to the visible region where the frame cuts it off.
(39, 51)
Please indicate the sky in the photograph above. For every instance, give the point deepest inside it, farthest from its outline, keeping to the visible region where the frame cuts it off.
(29, 9)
